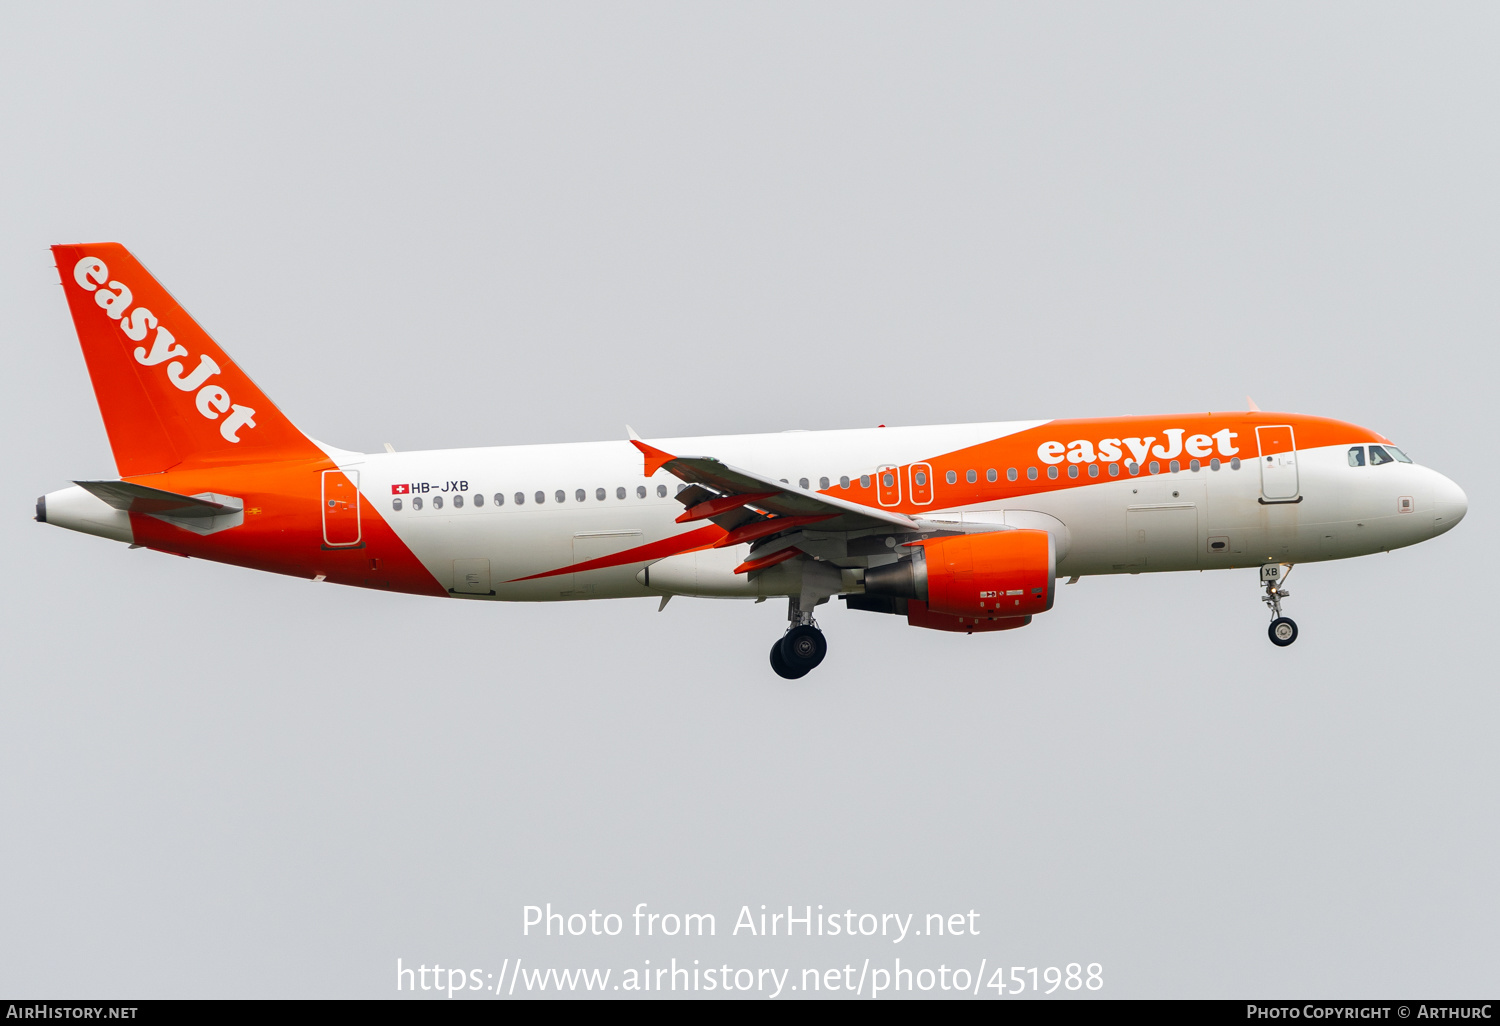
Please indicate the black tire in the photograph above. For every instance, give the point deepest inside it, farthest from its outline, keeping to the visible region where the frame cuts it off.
(1283, 631)
(779, 664)
(803, 647)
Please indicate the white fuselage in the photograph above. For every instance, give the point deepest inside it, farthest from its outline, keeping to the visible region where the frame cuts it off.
(1203, 519)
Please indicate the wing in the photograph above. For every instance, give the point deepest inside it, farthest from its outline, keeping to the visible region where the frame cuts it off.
(763, 511)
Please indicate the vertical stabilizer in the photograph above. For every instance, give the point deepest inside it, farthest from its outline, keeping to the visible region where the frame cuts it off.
(169, 395)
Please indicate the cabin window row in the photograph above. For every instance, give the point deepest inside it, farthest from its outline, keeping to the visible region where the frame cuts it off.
(538, 498)
(991, 475)
(888, 479)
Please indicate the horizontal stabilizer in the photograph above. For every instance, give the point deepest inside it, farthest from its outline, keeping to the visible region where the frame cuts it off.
(134, 498)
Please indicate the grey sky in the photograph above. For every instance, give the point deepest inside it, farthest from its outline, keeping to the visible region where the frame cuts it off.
(487, 224)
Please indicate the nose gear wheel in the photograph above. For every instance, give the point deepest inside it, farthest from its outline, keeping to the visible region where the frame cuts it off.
(1283, 631)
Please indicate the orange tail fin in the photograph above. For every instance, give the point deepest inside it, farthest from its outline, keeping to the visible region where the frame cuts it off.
(168, 393)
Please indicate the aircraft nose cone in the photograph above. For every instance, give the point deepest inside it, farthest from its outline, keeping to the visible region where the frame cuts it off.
(1449, 504)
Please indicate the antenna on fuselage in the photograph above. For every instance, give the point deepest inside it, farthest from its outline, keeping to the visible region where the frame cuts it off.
(1250, 405)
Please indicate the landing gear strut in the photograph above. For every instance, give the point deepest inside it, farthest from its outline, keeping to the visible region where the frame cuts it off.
(1283, 630)
(801, 648)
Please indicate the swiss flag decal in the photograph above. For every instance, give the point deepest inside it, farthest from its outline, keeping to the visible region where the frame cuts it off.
(401, 489)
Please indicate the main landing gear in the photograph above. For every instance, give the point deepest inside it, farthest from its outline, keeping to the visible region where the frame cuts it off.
(799, 651)
(1283, 630)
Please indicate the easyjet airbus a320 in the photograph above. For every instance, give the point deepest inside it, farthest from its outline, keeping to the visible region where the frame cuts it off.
(963, 527)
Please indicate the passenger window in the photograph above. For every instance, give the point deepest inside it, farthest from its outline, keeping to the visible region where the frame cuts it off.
(1072, 470)
(580, 495)
(416, 502)
(540, 497)
(478, 499)
(396, 505)
(437, 502)
(1174, 466)
(823, 483)
(843, 482)
(889, 480)
(1398, 454)
(1114, 470)
(864, 480)
(661, 491)
(599, 494)
(499, 498)
(520, 498)
(991, 476)
(953, 477)
(921, 478)
(1155, 467)
(640, 491)
(971, 476)
(1214, 464)
(1052, 473)
(458, 502)
(1195, 466)
(1234, 463)
(802, 483)
(619, 493)
(1093, 470)
(560, 495)
(1357, 456)
(1378, 455)
(1011, 475)
(1133, 467)
(1031, 473)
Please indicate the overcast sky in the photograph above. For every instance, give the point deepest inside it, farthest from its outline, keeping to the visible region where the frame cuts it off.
(451, 225)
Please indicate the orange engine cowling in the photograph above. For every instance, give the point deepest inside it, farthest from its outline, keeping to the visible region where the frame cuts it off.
(999, 573)
(967, 582)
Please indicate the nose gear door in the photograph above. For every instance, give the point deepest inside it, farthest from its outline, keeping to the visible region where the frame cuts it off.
(1278, 463)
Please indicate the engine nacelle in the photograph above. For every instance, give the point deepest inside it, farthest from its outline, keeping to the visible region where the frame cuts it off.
(997, 575)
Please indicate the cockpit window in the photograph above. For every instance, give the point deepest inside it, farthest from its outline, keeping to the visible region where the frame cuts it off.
(1378, 455)
(1398, 454)
(1357, 456)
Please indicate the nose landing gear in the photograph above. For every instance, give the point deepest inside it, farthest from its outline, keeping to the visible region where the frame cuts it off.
(1283, 630)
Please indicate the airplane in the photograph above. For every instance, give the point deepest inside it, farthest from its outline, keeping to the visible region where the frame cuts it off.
(959, 527)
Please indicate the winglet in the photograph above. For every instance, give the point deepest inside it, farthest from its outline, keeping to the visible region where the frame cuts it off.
(630, 433)
(1250, 405)
(655, 458)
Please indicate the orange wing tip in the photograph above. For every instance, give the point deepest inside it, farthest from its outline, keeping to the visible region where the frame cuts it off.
(750, 565)
(655, 458)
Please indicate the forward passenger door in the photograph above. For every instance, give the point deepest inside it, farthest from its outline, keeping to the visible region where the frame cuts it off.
(1278, 463)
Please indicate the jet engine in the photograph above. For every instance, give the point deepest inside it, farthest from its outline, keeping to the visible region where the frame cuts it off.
(967, 582)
